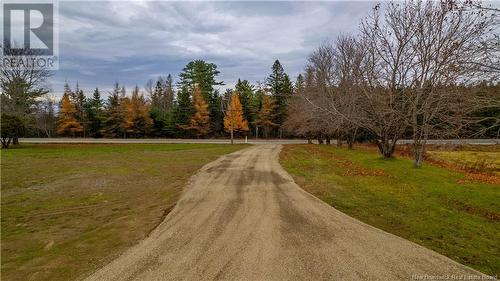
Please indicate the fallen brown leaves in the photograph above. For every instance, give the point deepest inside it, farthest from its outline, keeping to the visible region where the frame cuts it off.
(491, 216)
(471, 175)
(351, 168)
(356, 170)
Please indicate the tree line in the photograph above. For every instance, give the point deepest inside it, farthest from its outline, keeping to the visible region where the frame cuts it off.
(416, 69)
(190, 107)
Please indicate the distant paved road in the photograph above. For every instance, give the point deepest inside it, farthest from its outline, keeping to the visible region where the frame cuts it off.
(226, 141)
(458, 141)
(221, 141)
(242, 217)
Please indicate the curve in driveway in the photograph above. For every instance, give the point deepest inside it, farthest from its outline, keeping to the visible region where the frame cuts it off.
(242, 217)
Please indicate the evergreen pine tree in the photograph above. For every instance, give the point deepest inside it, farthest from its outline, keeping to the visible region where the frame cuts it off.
(94, 114)
(157, 111)
(156, 96)
(114, 115)
(80, 105)
(163, 109)
(168, 96)
(204, 76)
(184, 109)
(246, 93)
(299, 84)
(67, 90)
(281, 89)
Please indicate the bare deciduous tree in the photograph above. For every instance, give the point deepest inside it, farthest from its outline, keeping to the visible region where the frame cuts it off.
(45, 117)
(21, 86)
(403, 74)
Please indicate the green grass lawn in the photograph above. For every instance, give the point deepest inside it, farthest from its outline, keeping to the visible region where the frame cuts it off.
(69, 208)
(431, 206)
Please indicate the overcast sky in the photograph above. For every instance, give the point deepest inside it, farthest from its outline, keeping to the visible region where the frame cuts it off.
(130, 42)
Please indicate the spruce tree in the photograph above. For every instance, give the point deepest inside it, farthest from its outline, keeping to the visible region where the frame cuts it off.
(281, 89)
(157, 111)
(184, 109)
(156, 96)
(67, 90)
(95, 114)
(299, 84)
(246, 92)
(168, 93)
(162, 108)
(80, 106)
(114, 115)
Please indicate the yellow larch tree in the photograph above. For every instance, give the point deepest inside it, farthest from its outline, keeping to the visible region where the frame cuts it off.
(267, 114)
(67, 125)
(234, 116)
(200, 121)
(137, 119)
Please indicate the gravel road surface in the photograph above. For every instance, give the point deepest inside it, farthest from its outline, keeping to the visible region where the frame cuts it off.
(242, 217)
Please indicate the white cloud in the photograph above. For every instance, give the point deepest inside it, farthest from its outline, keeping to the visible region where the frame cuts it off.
(104, 42)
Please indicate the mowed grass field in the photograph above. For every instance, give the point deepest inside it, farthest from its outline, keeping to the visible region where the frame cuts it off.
(478, 158)
(69, 208)
(438, 208)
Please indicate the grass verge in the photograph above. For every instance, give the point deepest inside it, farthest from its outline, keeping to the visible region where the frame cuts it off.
(432, 206)
(69, 208)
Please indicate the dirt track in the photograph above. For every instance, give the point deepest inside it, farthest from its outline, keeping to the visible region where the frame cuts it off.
(243, 218)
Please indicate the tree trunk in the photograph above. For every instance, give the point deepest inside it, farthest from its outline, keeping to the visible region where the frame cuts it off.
(320, 140)
(309, 140)
(328, 140)
(386, 147)
(339, 141)
(419, 150)
(350, 143)
(232, 127)
(351, 139)
(15, 141)
(5, 142)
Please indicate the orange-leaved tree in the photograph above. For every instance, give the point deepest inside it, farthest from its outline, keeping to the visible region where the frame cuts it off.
(67, 123)
(234, 119)
(200, 121)
(267, 114)
(137, 119)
